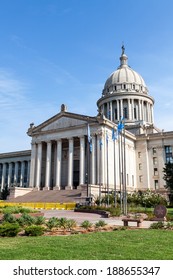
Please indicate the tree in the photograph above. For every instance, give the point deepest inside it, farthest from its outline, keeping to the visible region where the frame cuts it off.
(168, 177)
(4, 193)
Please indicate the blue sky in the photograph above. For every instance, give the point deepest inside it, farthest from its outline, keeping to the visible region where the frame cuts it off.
(62, 51)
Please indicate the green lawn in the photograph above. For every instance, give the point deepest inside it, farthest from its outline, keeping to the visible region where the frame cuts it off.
(117, 245)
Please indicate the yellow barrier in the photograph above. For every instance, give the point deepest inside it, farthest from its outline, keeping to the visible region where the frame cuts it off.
(41, 205)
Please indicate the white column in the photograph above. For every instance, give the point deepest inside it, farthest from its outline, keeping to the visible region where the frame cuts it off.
(139, 114)
(33, 166)
(143, 114)
(22, 173)
(48, 165)
(93, 161)
(39, 159)
(152, 115)
(121, 108)
(28, 172)
(16, 167)
(3, 176)
(82, 160)
(9, 174)
(98, 160)
(58, 163)
(132, 109)
(118, 111)
(70, 164)
(129, 110)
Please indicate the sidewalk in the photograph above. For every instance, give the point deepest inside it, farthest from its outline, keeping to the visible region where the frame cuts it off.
(93, 218)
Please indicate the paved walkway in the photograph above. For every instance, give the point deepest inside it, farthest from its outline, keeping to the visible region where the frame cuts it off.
(93, 218)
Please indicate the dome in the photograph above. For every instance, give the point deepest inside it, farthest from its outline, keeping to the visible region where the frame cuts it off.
(124, 78)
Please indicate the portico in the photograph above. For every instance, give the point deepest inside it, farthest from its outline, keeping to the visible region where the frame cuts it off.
(15, 169)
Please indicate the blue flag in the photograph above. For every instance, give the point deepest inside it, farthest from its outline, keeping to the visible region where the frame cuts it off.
(88, 133)
(89, 137)
(100, 143)
(120, 125)
(114, 135)
(107, 137)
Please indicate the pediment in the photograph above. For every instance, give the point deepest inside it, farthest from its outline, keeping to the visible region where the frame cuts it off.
(63, 122)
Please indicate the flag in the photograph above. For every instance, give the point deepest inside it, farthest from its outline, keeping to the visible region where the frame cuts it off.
(107, 137)
(100, 143)
(88, 133)
(114, 135)
(120, 125)
(89, 138)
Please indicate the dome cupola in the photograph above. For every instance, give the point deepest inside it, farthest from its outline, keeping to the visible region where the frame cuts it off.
(125, 94)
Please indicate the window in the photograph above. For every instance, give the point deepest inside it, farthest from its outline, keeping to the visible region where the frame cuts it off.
(156, 184)
(116, 116)
(125, 112)
(141, 179)
(133, 180)
(139, 154)
(140, 166)
(135, 116)
(154, 160)
(156, 172)
(115, 88)
(154, 151)
(168, 154)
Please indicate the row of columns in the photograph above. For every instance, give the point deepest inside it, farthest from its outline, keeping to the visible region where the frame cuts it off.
(10, 177)
(144, 109)
(36, 163)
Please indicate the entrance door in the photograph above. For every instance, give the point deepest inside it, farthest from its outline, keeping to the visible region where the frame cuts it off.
(76, 173)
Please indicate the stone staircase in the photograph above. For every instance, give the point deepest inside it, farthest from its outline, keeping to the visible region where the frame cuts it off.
(59, 196)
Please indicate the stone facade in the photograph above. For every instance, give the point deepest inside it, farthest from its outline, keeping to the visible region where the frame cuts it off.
(61, 155)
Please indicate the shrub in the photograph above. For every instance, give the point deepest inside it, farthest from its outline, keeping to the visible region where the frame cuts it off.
(52, 222)
(9, 229)
(86, 224)
(9, 218)
(63, 222)
(70, 224)
(40, 220)
(11, 210)
(34, 230)
(158, 225)
(100, 223)
(25, 210)
(26, 220)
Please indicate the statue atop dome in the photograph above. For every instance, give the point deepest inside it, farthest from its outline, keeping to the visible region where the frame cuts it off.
(123, 49)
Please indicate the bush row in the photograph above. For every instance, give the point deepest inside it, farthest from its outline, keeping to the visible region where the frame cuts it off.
(143, 199)
(35, 226)
(15, 210)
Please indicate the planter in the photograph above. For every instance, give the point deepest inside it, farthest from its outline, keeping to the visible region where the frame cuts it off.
(103, 213)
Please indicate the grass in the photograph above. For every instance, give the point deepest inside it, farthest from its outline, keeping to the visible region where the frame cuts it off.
(141, 244)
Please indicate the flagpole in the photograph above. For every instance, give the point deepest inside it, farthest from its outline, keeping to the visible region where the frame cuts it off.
(88, 160)
(100, 165)
(107, 167)
(119, 149)
(125, 183)
(114, 175)
(114, 138)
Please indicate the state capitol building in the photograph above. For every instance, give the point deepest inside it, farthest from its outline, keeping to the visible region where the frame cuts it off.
(73, 151)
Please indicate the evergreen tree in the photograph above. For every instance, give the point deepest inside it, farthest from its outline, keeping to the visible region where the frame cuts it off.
(168, 177)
